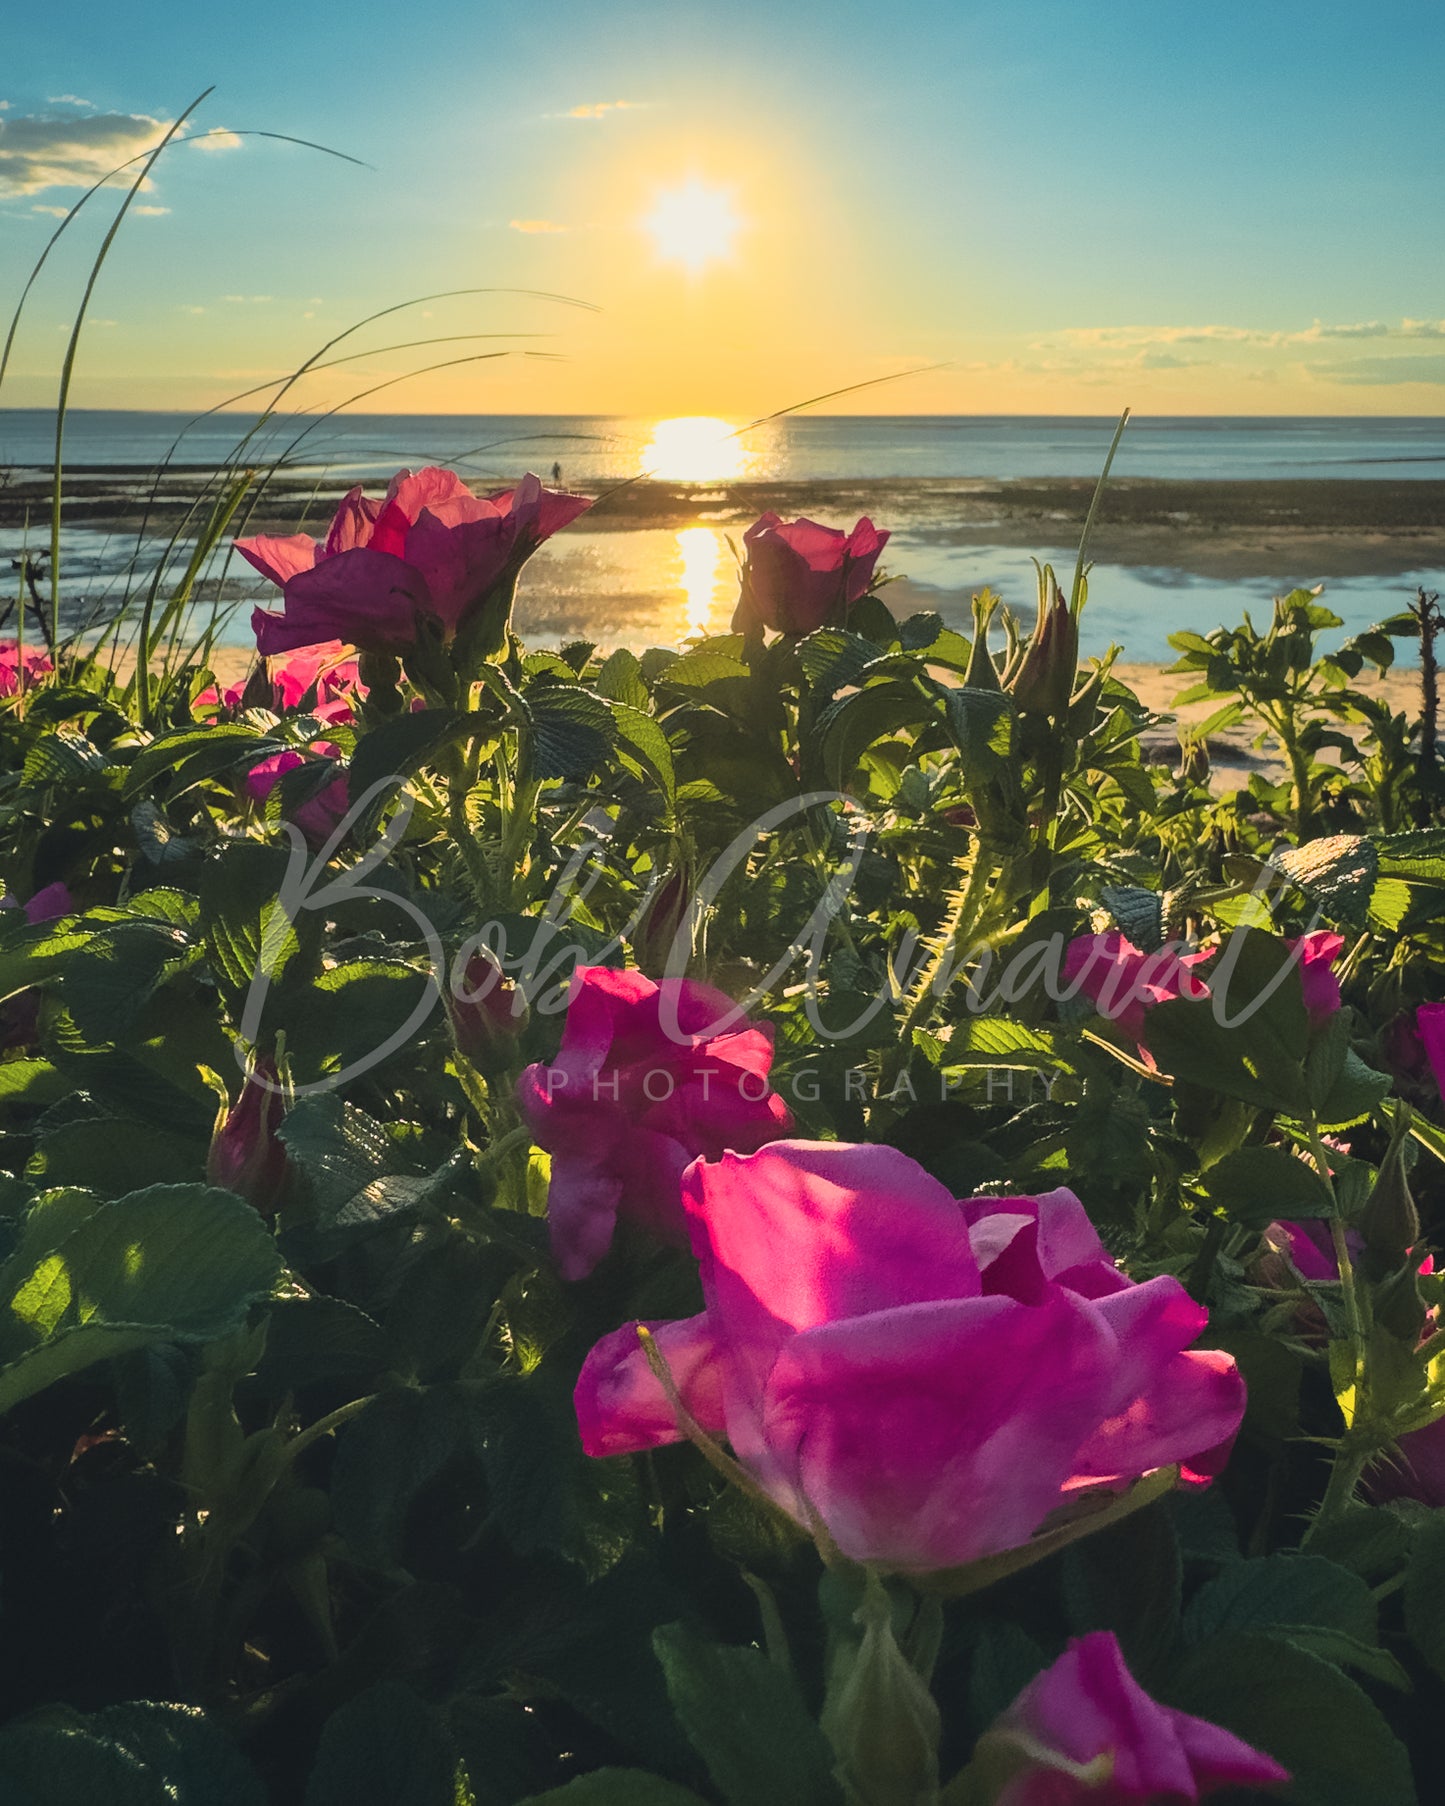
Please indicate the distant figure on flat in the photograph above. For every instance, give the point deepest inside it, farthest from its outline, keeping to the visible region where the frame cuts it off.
(556, 473)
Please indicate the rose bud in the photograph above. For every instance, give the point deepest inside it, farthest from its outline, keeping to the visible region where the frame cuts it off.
(247, 1156)
(1044, 680)
(486, 1011)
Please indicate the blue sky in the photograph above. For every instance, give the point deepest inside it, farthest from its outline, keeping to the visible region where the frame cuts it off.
(1234, 208)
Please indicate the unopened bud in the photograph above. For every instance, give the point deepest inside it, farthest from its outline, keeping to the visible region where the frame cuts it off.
(247, 1156)
(657, 932)
(1389, 1223)
(486, 1011)
(1045, 677)
(880, 1716)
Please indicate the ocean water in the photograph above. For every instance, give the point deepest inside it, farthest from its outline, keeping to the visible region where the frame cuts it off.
(801, 448)
(653, 586)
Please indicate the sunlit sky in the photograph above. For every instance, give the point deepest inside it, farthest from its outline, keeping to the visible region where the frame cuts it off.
(1231, 208)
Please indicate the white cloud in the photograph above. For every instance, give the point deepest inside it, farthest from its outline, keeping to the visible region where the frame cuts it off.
(1382, 372)
(68, 100)
(598, 109)
(150, 212)
(1146, 338)
(4, 106)
(247, 300)
(59, 212)
(217, 139)
(535, 225)
(37, 153)
(183, 309)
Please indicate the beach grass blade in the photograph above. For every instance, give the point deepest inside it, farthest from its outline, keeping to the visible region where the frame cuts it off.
(1076, 594)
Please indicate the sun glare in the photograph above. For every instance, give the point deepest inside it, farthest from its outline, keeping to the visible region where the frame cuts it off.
(695, 448)
(702, 577)
(693, 225)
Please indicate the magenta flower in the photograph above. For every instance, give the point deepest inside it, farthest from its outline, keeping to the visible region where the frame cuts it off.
(1124, 983)
(929, 1380)
(1430, 1026)
(628, 1103)
(1317, 955)
(247, 1156)
(49, 905)
(21, 671)
(1085, 1730)
(319, 815)
(1310, 1248)
(798, 576)
(430, 548)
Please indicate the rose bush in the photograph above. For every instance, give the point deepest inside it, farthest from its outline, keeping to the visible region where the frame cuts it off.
(993, 1349)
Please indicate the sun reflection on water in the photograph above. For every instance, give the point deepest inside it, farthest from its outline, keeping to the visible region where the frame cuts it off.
(704, 580)
(695, 448)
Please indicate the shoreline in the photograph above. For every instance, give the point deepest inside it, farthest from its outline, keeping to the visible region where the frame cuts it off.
(1341, 527)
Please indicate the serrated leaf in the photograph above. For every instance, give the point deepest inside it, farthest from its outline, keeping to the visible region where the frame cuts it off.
(1425, 1592)
(1337, 874)
(1257, 1185)
(399, 746)
(572, 731)
(1138, 914)
(1301, 1710)
(387, 1747)
(746, 1719)
(172, 1263)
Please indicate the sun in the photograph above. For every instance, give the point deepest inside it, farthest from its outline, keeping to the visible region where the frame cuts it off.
(693, 224)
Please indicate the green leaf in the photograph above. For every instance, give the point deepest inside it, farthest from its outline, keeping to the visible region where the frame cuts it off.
(387, 1747)
(172, 1263)
(192, 754)
(846, 729)
(641, 734)
(246, 928)
(1301, 1710)
(982, 724)
(696, 670)
(1138, 914)
(1337, 874)
(999, 1041)
(193, 1761)
(621, 680)
(616, 1787)
(401, 744)
(746, 1719)
(1257, 1185)
(1425, 1592)
(833, 660)
(1281, 1591)
(1354, 1093)
(1259, 1057)
(572, 731)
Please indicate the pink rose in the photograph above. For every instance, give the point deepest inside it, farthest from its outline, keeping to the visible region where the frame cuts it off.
(1125, 983)
(1310, 1248)
(627, 1103)
(430, 548)
(318, 816)
(19, 671)
(1085, 1730)
(798, 576)
(1317, 955)
(929, 1380)
(247, 1156)
(1430, 1026)
(49, 905)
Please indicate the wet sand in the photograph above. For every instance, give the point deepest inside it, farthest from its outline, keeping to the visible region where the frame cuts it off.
(1226, 530)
